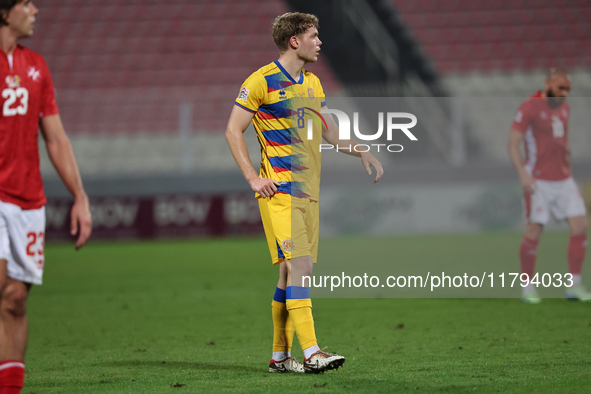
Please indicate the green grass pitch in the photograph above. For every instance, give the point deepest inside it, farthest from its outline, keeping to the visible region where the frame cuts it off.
(194, 316)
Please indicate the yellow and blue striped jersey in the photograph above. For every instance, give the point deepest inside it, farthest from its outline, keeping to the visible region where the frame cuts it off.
(281, 108)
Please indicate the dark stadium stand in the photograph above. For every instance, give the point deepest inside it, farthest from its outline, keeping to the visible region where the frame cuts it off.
(505, 35)
(126, 66)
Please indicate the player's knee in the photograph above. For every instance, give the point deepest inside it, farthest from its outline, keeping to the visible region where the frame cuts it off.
(305, 268)
(308, 271)
(533, 231)
(14, 300)
(584, 225)
(578, 225)
(3, 276)
(580, 229)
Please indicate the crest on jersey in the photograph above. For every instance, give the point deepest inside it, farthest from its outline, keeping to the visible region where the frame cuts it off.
(544, 115)
(33, 73)
(13, 81)
(310, 92)
(287, 245)
(243, 94)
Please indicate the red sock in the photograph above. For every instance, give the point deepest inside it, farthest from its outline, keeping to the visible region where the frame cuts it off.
(12, 376)
(527, 256)
(577, 246)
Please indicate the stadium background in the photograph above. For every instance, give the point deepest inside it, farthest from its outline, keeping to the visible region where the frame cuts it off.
(145, 89)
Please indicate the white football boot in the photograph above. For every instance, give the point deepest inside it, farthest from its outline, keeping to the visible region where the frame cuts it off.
(288, 364)
(322, 361)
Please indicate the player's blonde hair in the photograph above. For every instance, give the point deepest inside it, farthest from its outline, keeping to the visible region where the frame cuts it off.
(289, 25)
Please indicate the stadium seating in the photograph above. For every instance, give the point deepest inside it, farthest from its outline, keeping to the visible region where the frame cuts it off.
(125, 67)
(504, 35)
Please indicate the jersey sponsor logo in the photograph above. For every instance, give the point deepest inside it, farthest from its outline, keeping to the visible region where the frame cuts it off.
(287, 245)
(243, 94)
(33, 73)
(310, 92)
(13, 81)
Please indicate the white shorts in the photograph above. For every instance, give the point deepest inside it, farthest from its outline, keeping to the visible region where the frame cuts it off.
(561, 199)
(22, 235)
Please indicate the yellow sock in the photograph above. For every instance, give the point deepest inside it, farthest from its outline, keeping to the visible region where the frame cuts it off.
(289, 331)
(281, 341)
(300, 311)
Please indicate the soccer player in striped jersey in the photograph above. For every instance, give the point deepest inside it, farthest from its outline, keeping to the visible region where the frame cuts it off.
(287, 186)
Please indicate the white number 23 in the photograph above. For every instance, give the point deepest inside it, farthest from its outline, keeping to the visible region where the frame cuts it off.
(11, 95)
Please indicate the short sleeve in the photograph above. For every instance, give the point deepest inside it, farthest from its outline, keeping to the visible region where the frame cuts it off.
(323, 103)
(522, 119)
(252, 93)
(320, 91)
(48, 103)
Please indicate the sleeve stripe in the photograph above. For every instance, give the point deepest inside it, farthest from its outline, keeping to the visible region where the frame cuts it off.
(243, 107)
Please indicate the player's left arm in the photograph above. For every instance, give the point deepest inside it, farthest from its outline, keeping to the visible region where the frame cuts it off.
(331, 135)
(62, 157)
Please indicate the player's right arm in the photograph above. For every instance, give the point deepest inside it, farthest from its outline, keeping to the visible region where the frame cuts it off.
(521, 124)
(62, 156)
(331, 135)
(237, 125)
(526, 180)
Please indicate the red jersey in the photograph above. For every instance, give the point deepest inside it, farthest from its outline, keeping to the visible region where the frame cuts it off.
(546, 143)
(27, 96)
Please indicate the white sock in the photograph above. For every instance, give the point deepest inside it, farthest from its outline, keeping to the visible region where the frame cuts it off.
(576, 279)
(310, 351)
(289, 354)
(530, 286)
(280, 356)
